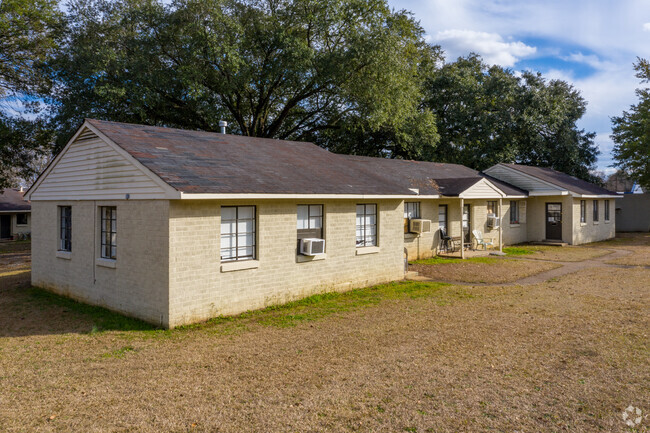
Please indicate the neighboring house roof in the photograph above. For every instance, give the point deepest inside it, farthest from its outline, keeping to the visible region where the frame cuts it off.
(212, 163)
(12, 200)
(555, 178)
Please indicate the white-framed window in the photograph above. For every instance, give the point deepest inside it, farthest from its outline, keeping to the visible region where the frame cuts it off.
(493, 208)
(237, 233)
(366, 225)
(606, 210)
(65, 228)
(583, 211)
(514, 212)
(442, 218)
(21, 219)
(411, 211)
(310, 221)
(595, 210)
(108, 235)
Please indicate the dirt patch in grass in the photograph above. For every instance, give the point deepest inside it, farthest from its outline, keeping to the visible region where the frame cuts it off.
(568, 355)
(480, 269)
(15, 247)
(15, 264)
(557, 254)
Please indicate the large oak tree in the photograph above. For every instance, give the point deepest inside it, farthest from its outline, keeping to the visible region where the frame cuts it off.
(488, 114)
(28, 39)
(283, 69)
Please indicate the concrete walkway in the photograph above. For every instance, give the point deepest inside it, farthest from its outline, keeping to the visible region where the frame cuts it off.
(566, 268)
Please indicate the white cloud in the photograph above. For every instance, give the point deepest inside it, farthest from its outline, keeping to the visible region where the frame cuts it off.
(591, 59)
(605, 35)
(491, 46)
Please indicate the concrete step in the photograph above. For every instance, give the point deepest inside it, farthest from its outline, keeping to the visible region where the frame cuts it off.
(410, 274)
(551, 243)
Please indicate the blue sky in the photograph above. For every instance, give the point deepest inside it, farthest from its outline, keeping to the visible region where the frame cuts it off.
(591, 44)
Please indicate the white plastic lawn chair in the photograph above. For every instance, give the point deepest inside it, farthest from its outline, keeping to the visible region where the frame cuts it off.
(480, 241)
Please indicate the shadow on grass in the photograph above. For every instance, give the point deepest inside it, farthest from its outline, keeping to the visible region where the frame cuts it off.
(440, 260)
(319, 306)
(33, 311)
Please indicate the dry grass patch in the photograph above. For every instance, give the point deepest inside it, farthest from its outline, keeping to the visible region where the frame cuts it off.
(563, 356)
(15, 264)
(560, 254)
(640, 257)
(623, 240)
(479, 269)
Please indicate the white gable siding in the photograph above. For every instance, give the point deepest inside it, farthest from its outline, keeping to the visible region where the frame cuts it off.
(91, 169)
(481, 189)
(522, 181)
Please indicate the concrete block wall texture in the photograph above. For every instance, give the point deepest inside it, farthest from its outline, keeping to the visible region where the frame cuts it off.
(536, 217)
(136, 286)
(632, 212)
(198, 289)
(593, 231)
(426, 245)
(514, 233)
(20, 228)
(478, 211)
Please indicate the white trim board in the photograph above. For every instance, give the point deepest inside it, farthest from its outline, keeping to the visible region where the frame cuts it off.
(238, 196)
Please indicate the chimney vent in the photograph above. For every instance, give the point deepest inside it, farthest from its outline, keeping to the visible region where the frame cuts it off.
(223, 124)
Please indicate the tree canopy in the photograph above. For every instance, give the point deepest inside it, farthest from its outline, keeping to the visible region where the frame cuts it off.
(631, 132)
(353, 76)
(488, 114)
(280, 69)
(28, 40)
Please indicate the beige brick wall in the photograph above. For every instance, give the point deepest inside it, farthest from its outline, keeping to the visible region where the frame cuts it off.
(514, 233)
(137, 286)
(536, 217)
(199, 290)
(20, 228)
(591, 231)
(573, 232)
(426, 245)
(478, 212)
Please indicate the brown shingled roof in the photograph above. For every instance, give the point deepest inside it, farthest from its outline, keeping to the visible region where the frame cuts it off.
(563, 180)
(430, 177)
(12, 200)
(206, 162)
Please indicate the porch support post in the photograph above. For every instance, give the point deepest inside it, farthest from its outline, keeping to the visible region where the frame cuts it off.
(462, 235)
(500, 225)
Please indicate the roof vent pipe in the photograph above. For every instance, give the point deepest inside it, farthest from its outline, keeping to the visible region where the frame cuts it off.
(223, 124)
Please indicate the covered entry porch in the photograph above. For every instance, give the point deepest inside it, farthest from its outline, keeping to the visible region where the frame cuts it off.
(480, 210)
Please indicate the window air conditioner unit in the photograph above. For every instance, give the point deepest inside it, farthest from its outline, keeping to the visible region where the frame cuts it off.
(492, 221)
(420, 226)
(312, 246)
